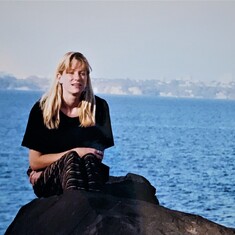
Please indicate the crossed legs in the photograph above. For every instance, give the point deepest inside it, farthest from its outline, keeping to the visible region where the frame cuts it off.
(70, 173)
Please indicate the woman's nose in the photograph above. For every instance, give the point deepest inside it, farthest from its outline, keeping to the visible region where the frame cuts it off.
(76, 76)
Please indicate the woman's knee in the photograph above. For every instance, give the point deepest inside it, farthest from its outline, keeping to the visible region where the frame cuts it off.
(71, 156)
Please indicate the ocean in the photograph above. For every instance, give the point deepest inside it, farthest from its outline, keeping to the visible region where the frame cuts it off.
(184, 147)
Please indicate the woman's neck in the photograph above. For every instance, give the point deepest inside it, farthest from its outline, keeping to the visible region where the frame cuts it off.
(70, 106)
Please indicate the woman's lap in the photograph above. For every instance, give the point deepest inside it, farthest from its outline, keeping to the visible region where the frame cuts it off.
(69, 173)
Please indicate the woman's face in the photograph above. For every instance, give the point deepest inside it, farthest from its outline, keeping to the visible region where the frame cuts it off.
(74, 79)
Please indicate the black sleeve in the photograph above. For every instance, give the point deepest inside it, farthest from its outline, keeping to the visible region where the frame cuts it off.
(104, 121)
(33, 136)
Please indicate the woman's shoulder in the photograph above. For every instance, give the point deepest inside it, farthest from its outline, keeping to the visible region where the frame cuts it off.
(35, 115)
(100, 101)
(102, 108)
(36, 107)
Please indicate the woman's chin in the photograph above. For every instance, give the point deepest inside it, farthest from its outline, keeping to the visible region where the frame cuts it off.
(76, 92)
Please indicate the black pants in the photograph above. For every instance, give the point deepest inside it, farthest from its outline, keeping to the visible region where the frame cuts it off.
(71, 173)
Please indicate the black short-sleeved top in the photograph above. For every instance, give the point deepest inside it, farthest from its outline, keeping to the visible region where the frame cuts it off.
(69, 134)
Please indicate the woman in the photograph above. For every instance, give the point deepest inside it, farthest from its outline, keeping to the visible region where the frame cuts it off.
(67, 132)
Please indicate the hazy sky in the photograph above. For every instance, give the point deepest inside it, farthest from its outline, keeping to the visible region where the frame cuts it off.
(121, 39)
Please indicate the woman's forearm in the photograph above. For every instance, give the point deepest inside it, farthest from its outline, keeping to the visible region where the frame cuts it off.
(38, 160)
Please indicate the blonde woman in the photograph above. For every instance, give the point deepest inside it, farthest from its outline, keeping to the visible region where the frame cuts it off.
(67, 132)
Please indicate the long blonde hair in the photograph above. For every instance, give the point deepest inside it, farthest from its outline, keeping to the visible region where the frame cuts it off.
(51, 101)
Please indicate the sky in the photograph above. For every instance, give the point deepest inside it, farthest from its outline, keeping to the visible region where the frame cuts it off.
(121, 39)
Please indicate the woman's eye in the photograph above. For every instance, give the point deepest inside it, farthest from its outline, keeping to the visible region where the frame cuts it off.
(83, 74)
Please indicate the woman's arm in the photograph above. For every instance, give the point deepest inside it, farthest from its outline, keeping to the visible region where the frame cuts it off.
(38, 160)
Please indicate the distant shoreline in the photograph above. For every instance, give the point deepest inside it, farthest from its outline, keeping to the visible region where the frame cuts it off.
(126, 95)
(174, 88)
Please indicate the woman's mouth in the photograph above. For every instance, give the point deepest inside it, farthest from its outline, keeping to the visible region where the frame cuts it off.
(78, 85)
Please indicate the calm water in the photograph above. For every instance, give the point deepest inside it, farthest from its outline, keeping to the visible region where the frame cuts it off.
(184, 147)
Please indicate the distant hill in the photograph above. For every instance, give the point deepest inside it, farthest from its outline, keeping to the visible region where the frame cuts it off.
(9, 82)
(173, 88)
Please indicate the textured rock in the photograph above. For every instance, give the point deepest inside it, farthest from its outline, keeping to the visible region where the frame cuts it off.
(126, 206)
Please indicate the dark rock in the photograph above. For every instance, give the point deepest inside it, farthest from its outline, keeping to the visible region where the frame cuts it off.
(126, 206)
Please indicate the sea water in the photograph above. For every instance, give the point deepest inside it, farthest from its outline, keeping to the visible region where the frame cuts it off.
(184, 147)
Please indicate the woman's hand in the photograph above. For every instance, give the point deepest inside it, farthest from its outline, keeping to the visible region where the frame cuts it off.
(83, 151)
(33, 177)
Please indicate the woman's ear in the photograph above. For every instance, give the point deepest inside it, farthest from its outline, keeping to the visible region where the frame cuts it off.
(60, 78)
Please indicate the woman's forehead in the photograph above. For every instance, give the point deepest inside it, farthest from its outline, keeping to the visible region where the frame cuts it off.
(77, 64)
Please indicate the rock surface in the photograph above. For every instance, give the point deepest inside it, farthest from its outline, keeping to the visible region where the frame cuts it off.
(126, 206)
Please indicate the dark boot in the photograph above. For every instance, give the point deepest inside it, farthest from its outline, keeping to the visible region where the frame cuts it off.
(74, 176)
(94, 177)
